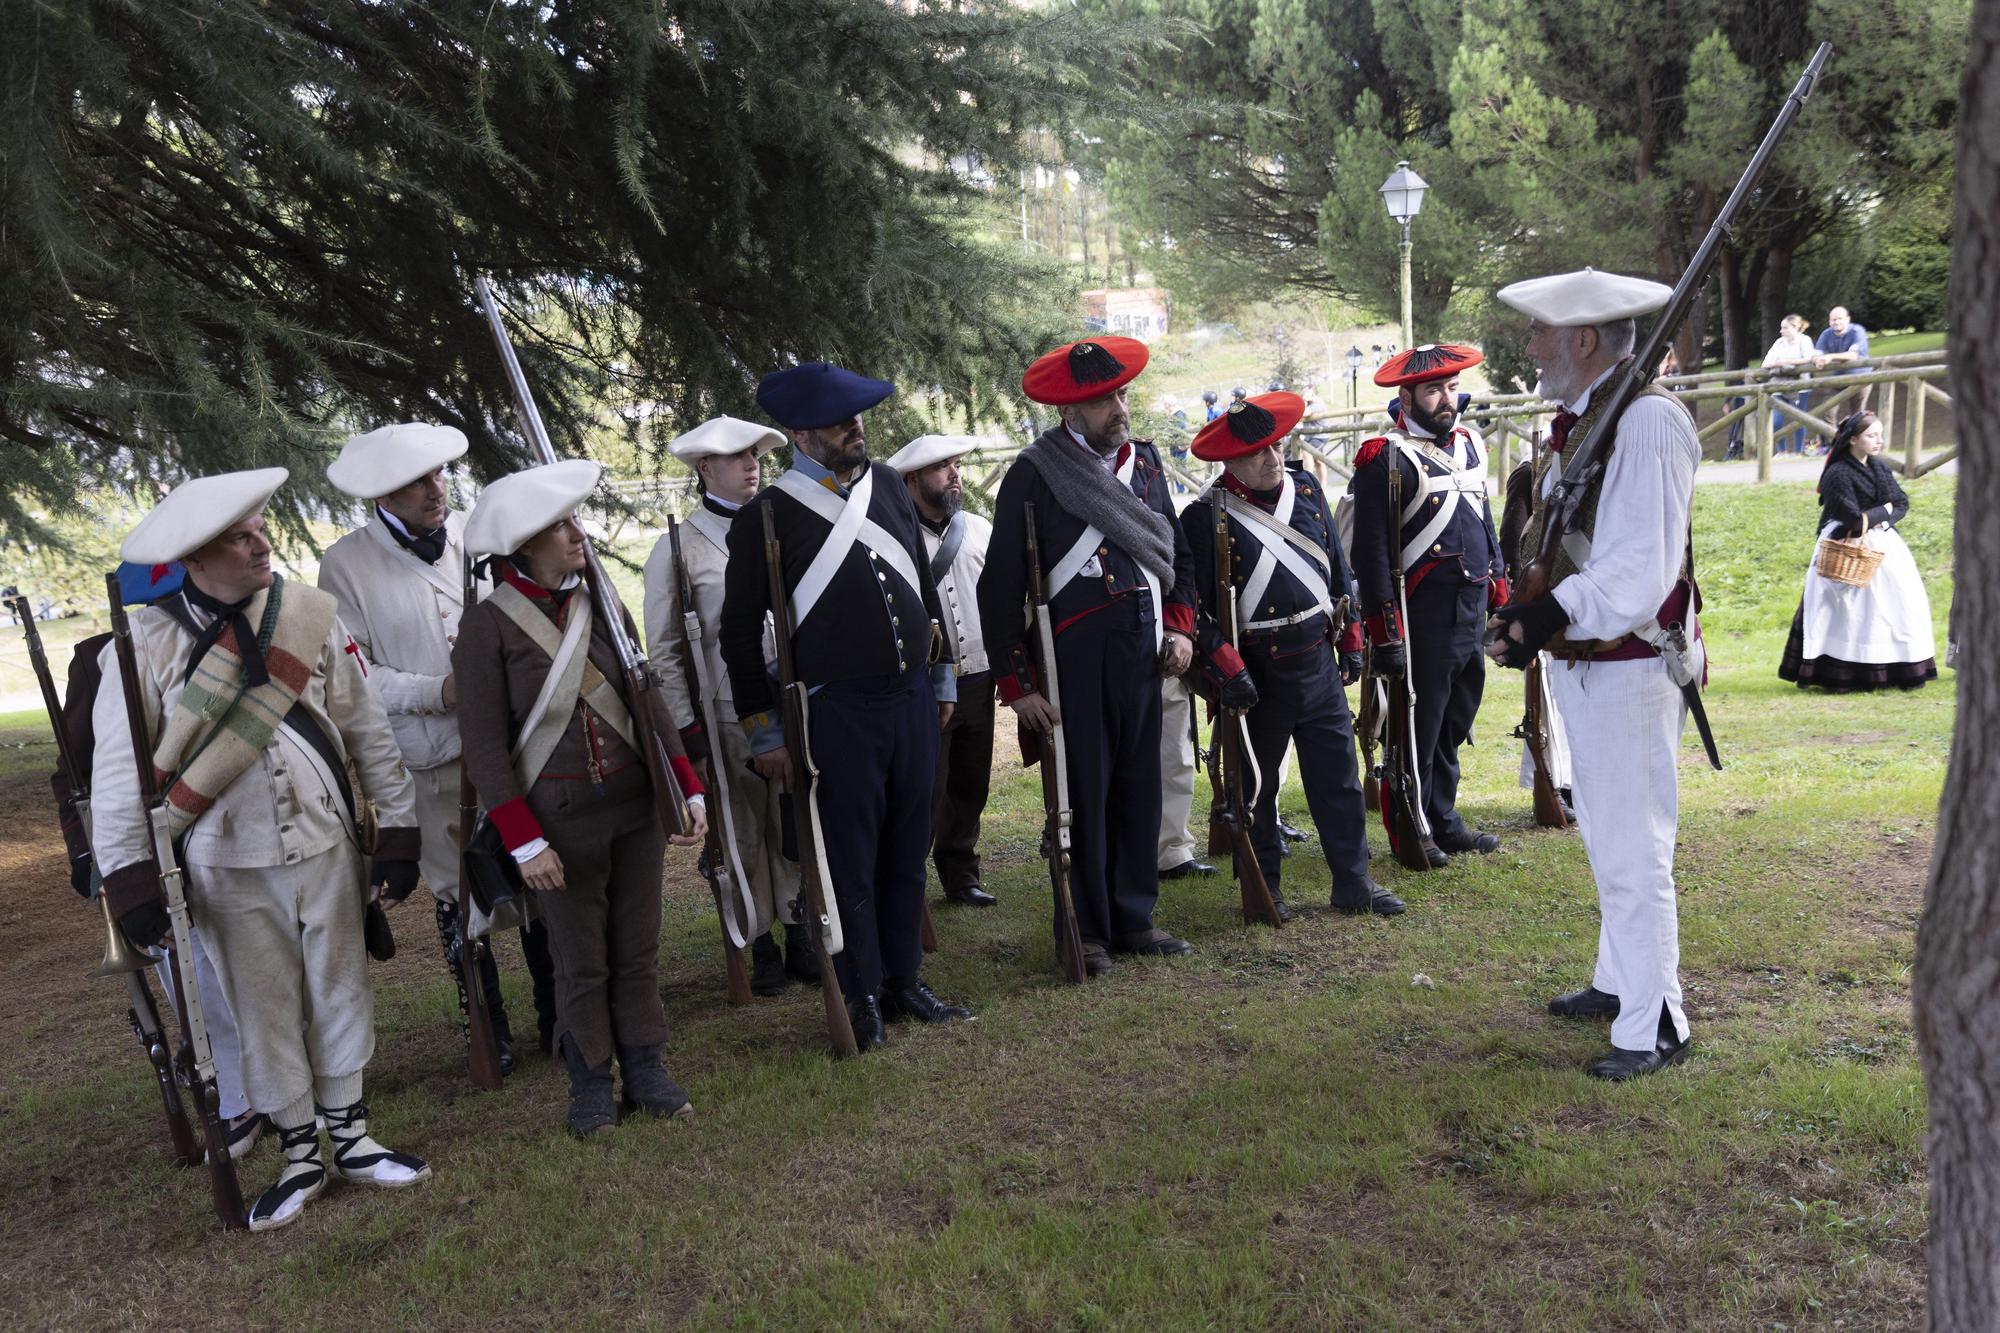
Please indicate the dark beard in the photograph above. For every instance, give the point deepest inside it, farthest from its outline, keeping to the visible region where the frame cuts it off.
(1439, 425)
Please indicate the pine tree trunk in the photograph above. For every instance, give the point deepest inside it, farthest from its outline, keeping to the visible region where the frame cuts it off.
(1776, 292)
(1957, 983)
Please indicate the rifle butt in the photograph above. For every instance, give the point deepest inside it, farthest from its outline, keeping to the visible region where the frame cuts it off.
(838, 1027)
(736, 974)
(153, 1042)
(1259, 907)
(1371, 789)
(927, 929)
(1069, 937)
(482, 1048)
(1548, 805)
(223, 1187)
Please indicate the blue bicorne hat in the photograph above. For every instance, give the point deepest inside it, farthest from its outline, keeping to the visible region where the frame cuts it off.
(142, 585)
(818, 393)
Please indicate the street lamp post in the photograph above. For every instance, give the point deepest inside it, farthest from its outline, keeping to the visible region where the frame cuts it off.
(1353, 376)
(1403, 192)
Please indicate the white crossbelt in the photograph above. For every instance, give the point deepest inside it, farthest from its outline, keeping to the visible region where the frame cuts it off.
(1279, 543)
(851, 524)
(1453, 485)
(1078, 555)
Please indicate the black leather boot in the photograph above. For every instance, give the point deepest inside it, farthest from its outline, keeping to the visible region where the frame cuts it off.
(801, 956)
(767, 966)
(592, 1110)
(647, 1085)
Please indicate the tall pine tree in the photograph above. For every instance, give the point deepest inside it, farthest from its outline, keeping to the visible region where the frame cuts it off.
(235, 229)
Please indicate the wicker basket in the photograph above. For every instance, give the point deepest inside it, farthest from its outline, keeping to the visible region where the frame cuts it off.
(1852, 562)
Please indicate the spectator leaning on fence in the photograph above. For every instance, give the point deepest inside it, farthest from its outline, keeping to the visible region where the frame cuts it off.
(1791, 351)
(1842, 340)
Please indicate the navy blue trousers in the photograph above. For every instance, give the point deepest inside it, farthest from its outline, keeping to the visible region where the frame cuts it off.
(875, 743)
(1110, 679)
(1300, 701)
(1448, 673)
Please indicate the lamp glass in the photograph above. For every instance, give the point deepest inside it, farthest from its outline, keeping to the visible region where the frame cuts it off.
(1403, 192)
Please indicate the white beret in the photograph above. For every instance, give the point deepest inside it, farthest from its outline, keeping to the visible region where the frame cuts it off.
(372, 465)
(925, 450)
(1586, 297)
(196, 512)
(724, 436)
(516, 507)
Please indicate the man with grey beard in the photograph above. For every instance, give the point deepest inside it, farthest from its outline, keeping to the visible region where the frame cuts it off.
(956, 543)
(1619, 575)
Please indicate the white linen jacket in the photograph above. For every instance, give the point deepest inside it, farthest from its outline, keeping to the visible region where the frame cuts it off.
(404, 614)
(706, 558)
(958, 593)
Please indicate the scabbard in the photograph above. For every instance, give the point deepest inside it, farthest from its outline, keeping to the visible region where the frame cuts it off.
(1692, 693)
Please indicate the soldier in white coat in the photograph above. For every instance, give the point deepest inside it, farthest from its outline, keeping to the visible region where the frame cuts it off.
(956, 543)
(257, 702)
(400, 583)
(1600, 621)
(760, 886)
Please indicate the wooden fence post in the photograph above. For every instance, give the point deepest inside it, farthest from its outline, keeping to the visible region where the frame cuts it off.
(1886, 413)
(1913, 450)
(1760, 424)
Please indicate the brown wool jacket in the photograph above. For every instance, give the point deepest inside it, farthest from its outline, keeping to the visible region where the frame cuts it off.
(500, 672)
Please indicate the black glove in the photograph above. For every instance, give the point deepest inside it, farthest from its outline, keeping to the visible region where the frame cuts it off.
(1350, 668)
(1238, 692)
(1389, 659)
(398, 877)
(79, 874)
(147, 924)
(1540, 621)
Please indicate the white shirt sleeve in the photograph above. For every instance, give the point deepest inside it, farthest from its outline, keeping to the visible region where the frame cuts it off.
(1642, 524)
(119, 833)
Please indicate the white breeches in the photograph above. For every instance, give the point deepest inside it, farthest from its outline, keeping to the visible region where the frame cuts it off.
(1176, 773)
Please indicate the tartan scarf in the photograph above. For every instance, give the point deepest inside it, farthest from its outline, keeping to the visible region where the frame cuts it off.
(222, 722)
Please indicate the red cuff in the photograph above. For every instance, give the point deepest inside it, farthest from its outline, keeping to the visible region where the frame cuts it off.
(1227, 662)
(1180, 619)
(685, 775)
(1011, 690)
(1350, 638)
(517, 824)
(1383, 627)
(1020, 679)
(1498, 592)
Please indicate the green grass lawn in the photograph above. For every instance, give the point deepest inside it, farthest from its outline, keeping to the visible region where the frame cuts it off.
(1287, 1129)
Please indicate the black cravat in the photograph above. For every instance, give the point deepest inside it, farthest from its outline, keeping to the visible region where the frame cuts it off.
(228, 616)
(426, 548)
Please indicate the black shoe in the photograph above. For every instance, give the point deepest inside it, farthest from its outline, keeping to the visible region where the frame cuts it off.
(865, 1017)
(1589, 1002)
(970, 895)
(1468, 841)
(1154, 942)
(503, 1032)
(801, 957)
(1188, 869)
(592, 1110)
(1284, 908)
(767, 966)
(1622, 1064)
(1096, 962)
(918, 1001)
(1379, 901)
(648, 1087)
(1437, 856)
(1290, 834)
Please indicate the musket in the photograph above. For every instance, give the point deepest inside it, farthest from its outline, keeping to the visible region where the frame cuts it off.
(1230, 744)
(1534, 733)
(1402, 796)
(813, 888)
(1584, 456)
(736, 974)
(655, 729)
(1053, 752)
(482, 1048)
(120, 958)
(1368, 731)
(196, 1058)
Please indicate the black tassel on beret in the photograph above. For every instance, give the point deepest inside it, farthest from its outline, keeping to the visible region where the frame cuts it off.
(1429, 357)
(1090, 363)
(1250, 423)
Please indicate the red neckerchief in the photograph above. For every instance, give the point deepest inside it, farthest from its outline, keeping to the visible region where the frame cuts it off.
(1559, 428)
(1236, 487)
(527, 587)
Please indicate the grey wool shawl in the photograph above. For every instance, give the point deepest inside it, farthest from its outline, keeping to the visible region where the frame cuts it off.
(1091, 492)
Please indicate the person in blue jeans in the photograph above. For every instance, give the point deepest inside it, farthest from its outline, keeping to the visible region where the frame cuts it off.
(1790, 356)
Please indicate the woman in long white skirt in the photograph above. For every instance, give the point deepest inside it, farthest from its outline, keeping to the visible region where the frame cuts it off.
(1848, 638)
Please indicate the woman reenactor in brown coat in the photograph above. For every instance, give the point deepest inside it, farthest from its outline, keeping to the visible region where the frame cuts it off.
(548, 739)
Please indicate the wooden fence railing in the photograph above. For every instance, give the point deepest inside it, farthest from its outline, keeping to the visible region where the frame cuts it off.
(1515, 422)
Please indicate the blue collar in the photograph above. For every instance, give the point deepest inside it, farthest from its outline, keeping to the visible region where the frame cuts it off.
(812, 470)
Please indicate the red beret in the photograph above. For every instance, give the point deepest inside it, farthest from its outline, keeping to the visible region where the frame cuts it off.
(1081, 371)
(1248, 425)
(1432, 361)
